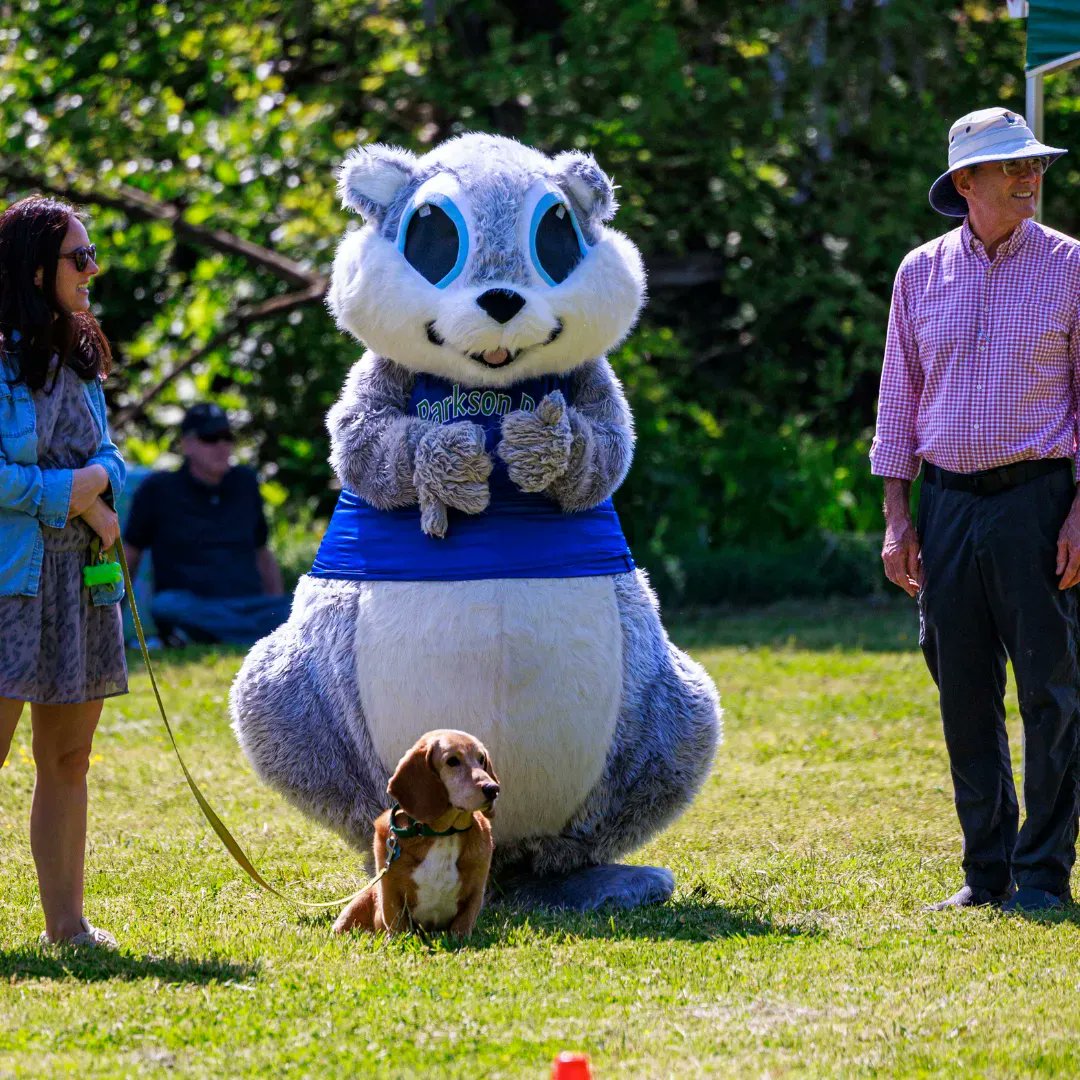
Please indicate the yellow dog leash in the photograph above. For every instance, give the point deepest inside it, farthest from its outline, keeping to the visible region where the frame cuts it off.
(226, 837)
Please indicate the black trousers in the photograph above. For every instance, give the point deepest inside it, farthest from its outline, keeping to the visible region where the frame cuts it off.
(990, 591)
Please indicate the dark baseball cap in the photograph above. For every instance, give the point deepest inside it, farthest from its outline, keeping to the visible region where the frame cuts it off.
(205, 419)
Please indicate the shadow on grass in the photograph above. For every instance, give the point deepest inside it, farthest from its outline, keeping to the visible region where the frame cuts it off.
(678, 920)
(1068, 914)
(85, 965)
(505, 924)
(869, 625)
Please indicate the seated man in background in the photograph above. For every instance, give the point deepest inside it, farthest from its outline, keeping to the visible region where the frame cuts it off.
(215, 580)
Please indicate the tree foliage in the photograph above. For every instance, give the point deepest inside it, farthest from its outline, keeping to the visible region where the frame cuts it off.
(773, 162)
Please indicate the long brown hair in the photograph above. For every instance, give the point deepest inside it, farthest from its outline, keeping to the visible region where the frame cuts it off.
(33, 325)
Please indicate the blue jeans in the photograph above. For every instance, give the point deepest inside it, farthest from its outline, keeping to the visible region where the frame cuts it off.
(235, 620)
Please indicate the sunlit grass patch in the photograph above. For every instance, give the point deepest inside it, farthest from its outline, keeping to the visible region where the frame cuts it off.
(795, 944)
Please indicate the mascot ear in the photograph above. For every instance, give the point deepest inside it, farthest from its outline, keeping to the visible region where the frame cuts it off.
(587, 184)
(371, 176)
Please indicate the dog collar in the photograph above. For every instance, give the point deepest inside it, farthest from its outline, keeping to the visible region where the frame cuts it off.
(417, 828)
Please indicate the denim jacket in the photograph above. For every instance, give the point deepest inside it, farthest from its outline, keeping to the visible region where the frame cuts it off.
(30, 496)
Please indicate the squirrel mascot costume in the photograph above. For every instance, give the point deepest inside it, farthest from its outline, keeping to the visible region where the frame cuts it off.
(474, 574)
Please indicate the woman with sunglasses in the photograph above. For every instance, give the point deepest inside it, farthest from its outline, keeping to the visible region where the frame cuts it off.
(61, 643)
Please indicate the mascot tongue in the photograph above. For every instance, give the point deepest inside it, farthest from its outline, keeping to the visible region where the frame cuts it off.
(495, 356)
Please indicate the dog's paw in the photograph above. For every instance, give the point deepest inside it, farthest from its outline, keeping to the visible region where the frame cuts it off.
(536, 445)
(358, 914)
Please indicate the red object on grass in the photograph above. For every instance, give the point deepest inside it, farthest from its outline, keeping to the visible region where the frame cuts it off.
(570, 1066)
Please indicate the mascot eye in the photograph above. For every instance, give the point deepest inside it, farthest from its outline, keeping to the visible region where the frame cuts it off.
(557, 243)
(434, 241)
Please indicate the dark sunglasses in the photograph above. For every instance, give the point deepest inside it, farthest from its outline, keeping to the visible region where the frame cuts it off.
(218, 436)
(81, 256)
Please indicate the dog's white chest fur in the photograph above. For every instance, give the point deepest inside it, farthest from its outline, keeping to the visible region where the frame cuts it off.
(532, 668)
(438, 883)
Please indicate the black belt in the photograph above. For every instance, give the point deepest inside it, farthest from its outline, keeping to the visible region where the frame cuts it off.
(991, 481)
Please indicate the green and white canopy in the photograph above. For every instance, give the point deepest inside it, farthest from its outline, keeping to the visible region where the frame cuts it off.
(1053, 45)
(1053, 36)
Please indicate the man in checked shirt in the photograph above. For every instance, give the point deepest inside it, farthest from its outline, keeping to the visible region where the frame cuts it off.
(980, 385)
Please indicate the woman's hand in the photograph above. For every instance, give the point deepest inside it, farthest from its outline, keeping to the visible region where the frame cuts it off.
(86, 485)
(103, 520)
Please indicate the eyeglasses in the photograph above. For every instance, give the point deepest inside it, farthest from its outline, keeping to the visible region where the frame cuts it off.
(218, 436)
(81, 256)
(1022, 166)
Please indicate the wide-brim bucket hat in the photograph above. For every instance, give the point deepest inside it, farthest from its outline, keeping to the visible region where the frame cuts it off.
(984, 135)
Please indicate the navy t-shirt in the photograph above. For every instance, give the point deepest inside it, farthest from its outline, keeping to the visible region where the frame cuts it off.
(519, 535)
(200, 538)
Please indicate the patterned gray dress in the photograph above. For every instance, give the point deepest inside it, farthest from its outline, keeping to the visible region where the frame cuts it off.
(57, 648)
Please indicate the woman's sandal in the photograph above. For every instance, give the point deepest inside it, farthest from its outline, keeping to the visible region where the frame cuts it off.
(90, 938)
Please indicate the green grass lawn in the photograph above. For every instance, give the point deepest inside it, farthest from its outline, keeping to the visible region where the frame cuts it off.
(794, 944)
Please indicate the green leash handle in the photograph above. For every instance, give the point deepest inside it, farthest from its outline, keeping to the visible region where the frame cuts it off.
(226, 837)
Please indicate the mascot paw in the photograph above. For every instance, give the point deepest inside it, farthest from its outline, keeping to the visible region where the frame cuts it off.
(594, 887)
(452, 469)
(433, 517)
(536, 445)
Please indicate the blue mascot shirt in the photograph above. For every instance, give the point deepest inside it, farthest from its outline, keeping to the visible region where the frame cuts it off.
(520, 535)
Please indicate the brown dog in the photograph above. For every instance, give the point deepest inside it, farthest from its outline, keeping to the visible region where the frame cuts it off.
(435, 839)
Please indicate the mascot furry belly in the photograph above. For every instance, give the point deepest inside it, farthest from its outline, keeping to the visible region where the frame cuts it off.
(474, 574)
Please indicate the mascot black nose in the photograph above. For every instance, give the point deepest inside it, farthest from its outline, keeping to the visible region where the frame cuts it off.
(501, 304)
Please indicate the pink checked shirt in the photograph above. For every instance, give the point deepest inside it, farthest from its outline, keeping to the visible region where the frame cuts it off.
(982, 360)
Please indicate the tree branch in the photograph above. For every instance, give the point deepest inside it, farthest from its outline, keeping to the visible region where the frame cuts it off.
(239, 320)
(138, 204)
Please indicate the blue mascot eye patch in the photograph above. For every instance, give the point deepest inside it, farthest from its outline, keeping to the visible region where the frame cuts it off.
(555, 240)
(434, 240)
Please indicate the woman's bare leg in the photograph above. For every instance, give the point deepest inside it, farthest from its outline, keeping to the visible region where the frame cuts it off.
(10, 711)
(63, 736)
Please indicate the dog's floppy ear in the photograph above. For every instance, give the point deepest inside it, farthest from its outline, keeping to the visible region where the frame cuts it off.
(416, 786)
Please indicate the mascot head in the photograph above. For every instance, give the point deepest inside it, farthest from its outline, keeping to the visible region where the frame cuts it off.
(483, 261)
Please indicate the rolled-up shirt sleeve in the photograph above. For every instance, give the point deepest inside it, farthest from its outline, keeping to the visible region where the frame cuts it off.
(41, 493)
(893, 450)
